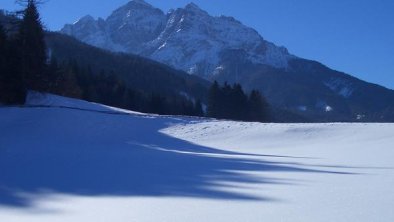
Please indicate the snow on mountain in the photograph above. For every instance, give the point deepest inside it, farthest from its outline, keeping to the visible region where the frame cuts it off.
(223, 49)
(186, 38)
(194, 41)
(69, 160)
(93, 32)
(341, 87)
(134, 24)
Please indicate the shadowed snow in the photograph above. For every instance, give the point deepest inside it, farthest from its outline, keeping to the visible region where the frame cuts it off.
(64, 151)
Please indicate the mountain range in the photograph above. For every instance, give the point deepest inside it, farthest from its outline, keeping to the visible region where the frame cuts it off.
(223, 49)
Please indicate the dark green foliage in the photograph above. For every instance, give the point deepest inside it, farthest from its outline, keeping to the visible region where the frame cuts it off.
(258, 107)
(33, 51)
(214, 96)
(239, 103)
(71, 80)
(198, 108)
(230, 102)
(3, 39)
(12, 90)
(23, 57)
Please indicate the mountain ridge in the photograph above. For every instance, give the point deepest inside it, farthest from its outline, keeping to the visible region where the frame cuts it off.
(222, 48)
(163, 33)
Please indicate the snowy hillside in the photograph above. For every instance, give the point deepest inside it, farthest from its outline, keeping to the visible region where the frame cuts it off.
(69, 160)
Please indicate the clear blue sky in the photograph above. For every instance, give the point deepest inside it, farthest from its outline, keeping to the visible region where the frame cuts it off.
(354, 36)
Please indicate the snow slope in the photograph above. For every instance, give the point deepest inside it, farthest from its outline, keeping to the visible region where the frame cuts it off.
(69, 160)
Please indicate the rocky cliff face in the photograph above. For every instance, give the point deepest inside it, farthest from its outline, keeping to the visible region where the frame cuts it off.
(186, 38)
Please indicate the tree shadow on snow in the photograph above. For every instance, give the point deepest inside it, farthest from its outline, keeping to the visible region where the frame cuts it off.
(95, 154)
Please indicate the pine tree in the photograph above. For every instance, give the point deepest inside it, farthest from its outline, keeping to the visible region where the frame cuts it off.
(157, 104)
(231, 102)
(213, 101)
(53, 75)
(12, 90)
(69, 85)
(3, 39)
(258, 107)
(239, 103)
(32, 44)
(198, 110)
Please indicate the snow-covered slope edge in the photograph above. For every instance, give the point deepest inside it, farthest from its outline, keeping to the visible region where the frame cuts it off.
(61, 164)
(37, 99)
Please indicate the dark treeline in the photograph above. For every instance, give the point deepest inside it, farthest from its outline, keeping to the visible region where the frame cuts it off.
(231, 102)
(71, 80)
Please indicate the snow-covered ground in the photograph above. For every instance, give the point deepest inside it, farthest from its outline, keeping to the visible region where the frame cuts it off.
(69, 160)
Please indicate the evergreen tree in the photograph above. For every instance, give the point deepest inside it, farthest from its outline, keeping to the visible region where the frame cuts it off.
(258, 107)
(3, 40)
(53, 75)
(239, 103)
(231, 102)
(32, 44)
(214, 98)
(157, 104)
(198, 110)
(224, 102)
(12, 90)
(68, 84)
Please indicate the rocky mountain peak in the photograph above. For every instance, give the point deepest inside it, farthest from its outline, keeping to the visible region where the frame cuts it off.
(86, 18)
(140, 3)
(193, 7)
(186, 38)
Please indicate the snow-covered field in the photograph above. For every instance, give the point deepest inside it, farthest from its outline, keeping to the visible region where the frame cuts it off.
(70, 160)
